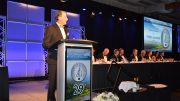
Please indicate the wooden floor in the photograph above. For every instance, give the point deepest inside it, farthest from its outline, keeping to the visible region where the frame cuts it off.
(28, 91)
(37, 91)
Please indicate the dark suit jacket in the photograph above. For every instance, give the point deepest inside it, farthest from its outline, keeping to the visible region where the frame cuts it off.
(121, 59)
(141, 57)
(116, 59)
(160, 58)
(52, 37)
(132, 57)
(100, 56)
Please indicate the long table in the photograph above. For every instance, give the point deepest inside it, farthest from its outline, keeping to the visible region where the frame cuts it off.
(4, 86)
(163, 72)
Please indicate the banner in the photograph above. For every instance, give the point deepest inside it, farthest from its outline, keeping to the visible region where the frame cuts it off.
(157, 35)
(78, 77)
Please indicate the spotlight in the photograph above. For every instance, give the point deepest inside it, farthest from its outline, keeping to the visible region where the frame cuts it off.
(113, 15)
(100, 13)
(63, 0)
(84, 9)
(134, 20)
(125, 18)
(120, 19)
(92, 13)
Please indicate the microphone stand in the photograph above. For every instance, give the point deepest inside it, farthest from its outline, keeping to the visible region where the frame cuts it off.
(118, 74)
(117, 77)
(81, 28)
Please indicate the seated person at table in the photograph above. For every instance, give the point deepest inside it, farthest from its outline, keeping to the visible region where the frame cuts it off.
(122, 57)
(115, 56)
(161, 56)
(93, 56)
(104, 55)
(155, 56)
(149, 56)
(134, 55)
(142, 56)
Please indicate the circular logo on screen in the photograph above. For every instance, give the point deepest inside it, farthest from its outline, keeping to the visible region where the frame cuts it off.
(165, 38)
(78, 72)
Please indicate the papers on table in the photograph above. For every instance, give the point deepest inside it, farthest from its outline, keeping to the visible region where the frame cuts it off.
(128, 85)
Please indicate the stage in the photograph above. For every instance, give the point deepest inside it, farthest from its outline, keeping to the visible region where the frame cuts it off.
(37, 91)
(28, 90)
(25, 90)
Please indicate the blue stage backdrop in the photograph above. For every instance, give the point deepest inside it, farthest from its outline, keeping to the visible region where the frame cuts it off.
(25, 30)
(178, 35)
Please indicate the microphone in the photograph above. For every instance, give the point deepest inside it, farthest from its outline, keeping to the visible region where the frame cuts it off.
(73, 27)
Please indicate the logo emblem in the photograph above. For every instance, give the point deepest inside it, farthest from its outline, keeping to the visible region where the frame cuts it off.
(78, 72)
(165, 38)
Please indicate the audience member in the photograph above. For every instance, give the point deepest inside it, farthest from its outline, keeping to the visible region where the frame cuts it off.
(155, 56)
(122, 57)
(134, 55)
(161, 56)
(115, 56)
(93, 56)
(149, 55)
(104, 55)
(142, 56)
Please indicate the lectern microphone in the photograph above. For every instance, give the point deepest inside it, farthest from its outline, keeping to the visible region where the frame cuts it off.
(73, 27)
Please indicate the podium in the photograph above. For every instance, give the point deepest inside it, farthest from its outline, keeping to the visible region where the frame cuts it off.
(74, 67)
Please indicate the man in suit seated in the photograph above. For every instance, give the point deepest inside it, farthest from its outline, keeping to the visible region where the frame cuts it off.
(115, 56)
(155, 56)
(93, 56)
(149, 56)
(104, 56)
(142, 56)
(161, 56)
(122, 57)
(134, 55)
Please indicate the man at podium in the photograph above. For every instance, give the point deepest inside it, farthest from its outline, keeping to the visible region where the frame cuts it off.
(53, 34)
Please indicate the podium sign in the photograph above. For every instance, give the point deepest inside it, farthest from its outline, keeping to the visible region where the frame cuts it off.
(74, 70)
(78, 79)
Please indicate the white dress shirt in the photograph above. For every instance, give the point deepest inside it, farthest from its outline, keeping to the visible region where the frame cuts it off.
(105, 58)
(136, 58)
(124, 59)
(62, 30)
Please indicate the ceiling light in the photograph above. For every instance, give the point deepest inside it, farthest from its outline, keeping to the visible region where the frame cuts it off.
(92, 13)
(120, 19)
(63, 0)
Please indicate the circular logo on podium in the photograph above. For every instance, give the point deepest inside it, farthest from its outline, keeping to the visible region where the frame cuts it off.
(78, 72)
(165, 38)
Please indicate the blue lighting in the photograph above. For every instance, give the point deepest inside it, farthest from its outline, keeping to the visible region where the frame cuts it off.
(25, 31)
(178, 32)
(100, 13)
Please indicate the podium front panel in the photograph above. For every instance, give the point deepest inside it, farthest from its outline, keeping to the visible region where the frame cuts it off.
(74, 72)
